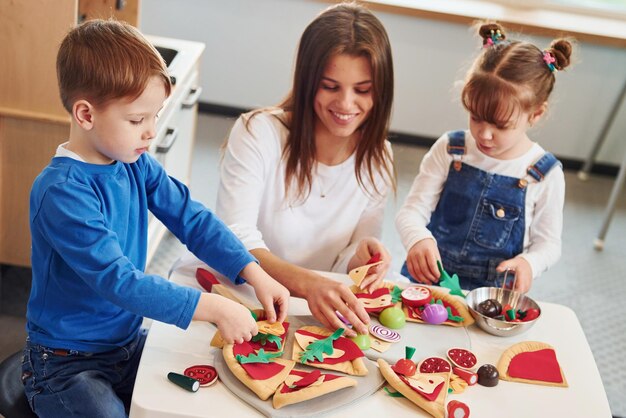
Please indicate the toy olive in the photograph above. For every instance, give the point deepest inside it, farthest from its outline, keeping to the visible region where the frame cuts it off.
(490, 308)
(488, 375)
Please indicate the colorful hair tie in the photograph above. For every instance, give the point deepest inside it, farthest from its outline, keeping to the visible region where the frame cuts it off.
(549, 59)
(495, 38)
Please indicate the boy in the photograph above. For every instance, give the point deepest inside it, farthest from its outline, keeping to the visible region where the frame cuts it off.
(89, 218)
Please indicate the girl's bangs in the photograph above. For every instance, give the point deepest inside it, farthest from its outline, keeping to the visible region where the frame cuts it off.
(492, 100)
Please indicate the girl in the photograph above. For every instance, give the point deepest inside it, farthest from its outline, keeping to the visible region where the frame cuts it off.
(304, 184)
(490, 199)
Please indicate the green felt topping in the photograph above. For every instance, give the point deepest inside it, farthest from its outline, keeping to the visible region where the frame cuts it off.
(260, 357)
(317, 349)
(452, 317)
(396, 294)
(263, 339)
(450, 282)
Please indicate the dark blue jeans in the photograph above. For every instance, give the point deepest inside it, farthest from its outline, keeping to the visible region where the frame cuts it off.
(60, 383)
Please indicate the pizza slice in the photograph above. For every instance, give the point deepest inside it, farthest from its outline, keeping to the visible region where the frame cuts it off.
(426, 390)
(302, 386)
(259, 371)
(531, 362)
(458, 314)
(318, 347)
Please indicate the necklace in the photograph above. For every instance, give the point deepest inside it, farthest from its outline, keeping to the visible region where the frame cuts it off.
(331, 176)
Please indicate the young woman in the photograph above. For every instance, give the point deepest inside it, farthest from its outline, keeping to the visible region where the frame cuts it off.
(304, 184)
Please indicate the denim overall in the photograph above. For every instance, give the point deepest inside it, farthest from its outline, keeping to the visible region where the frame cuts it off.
(479, 220)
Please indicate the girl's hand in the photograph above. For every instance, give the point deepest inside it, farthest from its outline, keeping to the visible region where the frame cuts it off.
(234, 320)
(326, 297)
(272, 295)
(367, 248)
(421, 261)
(523, 272)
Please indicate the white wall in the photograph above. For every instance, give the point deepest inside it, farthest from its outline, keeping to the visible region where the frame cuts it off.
(251, 48)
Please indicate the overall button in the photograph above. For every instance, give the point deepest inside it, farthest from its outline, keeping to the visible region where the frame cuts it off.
(500, 213)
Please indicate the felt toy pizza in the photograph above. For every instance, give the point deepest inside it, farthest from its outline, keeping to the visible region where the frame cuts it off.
(426, 390)
(318, 347)
(531, 362)
(261, 372)
(302, 386)
(458, 314)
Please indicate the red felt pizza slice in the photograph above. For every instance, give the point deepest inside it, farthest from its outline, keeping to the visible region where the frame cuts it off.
(426, 390)
(338, 353)
(531, 362)
(262, 376)
(302, 386)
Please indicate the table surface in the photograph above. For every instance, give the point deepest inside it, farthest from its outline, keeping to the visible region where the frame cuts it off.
(171, 349)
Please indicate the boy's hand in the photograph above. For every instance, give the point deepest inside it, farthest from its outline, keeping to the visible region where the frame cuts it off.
(234, 320)
(273, 296)
(367, 248)
(523, 272)
(421, 261)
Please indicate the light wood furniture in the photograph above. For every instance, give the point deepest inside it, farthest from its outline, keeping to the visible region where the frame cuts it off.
(32, 120)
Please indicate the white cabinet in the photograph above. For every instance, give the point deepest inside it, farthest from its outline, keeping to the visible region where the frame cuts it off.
(173, 145)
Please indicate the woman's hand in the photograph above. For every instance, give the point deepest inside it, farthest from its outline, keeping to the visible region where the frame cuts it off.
(269, 292)
(366, 249)
(326, 297)
(523, 272)
(421, 261)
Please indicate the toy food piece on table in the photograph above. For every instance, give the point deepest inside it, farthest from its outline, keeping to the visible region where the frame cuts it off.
(460, 357)
(384, 333)
(457, 409)
(363, 341)
(469, 376)
(261, 372)
(450, 282)
(377, 301)
(434, 314)
(318, 347)
(434, 365)
(302, 386)
(359, 273)
(416, 296)
(426, 390)
(531, 362)
(405, 366)
(458, 314)
(392, 317)
(489, 307)
(203, 373)
(185, 382)
(488, 375)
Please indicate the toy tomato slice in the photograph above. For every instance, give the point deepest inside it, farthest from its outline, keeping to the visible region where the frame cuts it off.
(203, 373)
(416, 296)
(405, 367)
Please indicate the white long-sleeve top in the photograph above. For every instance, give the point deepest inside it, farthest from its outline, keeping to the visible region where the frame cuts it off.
(319, 233)
(543, 208)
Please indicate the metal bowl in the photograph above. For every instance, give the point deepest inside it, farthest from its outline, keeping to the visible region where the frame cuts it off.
(504, 296)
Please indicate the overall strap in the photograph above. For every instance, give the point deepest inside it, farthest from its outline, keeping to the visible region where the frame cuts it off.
(543, 166)
(456, 148)
(456, 142)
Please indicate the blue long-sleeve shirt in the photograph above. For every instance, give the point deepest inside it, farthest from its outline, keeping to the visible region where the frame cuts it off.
(89, 228)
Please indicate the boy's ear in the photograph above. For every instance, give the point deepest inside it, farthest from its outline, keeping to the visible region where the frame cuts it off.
(538, 113)
(82, 112)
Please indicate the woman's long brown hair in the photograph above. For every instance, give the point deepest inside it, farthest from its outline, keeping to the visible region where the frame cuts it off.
(352, 30)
